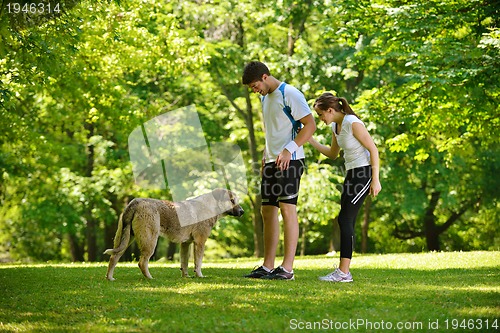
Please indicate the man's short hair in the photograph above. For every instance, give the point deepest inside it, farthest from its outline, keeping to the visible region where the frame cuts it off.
(253, 71)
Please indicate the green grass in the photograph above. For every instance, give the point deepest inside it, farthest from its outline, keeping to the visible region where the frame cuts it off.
(462, 288)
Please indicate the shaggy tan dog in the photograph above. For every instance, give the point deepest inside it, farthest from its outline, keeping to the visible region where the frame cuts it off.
(183, 222)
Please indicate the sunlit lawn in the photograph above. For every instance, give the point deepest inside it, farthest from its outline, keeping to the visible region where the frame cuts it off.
(417, 292)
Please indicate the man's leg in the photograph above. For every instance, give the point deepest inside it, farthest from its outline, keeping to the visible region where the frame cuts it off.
(271, 234)
(291, 234)
(290, 183)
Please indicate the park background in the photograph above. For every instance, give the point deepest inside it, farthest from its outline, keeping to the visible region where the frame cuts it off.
(423, 76)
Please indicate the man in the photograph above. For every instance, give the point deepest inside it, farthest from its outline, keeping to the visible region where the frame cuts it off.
(285, 110)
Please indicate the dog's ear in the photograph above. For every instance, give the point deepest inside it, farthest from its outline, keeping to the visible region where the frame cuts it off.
(221, 194)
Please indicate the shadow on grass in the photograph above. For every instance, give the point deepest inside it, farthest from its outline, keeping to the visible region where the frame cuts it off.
(65, 298)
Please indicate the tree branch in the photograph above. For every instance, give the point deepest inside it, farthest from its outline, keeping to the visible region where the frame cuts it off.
(231, 100)
(456, 215)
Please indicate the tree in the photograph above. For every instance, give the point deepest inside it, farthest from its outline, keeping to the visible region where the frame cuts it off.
(83, 91)
(436, 87)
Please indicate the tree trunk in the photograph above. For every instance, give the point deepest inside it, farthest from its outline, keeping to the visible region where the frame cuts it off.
(247, 115)
(432, 239)
(431, 230)
(111, 226)
(297, 24)
(171, 250)
(335, 236)
(76, 249)
(91, 240)
(305, 227)
(253, 191)
(258, 224)
(258, 229)
(109, 235)
(91, 233)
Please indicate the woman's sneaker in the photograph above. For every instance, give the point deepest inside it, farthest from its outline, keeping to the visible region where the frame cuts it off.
(279, 273)
(337, 276)
(258, 273)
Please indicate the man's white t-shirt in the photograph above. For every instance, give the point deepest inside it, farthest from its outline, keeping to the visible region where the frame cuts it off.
(355, 154)
(278, 126)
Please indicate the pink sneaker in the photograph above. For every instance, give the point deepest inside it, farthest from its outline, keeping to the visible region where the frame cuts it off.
(337, 276)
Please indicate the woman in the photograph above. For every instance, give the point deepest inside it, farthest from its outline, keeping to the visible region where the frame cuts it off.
(362, 171)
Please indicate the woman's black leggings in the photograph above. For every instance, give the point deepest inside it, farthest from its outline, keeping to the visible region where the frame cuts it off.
(354, 191)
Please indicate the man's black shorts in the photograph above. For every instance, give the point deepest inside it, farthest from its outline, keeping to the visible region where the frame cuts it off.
(281, 186)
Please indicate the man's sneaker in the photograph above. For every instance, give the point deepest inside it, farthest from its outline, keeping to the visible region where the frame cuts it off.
(337, 276)
(258, 273)
(279, 274)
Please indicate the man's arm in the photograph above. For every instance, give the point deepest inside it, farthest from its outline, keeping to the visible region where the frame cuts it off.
(283, 160)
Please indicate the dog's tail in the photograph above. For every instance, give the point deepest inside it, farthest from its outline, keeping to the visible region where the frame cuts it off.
(122, 236)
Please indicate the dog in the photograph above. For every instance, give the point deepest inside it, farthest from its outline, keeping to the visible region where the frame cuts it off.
(184, 222)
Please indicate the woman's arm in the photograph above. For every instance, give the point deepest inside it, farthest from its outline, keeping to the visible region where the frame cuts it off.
(361, 133)
(331, 152)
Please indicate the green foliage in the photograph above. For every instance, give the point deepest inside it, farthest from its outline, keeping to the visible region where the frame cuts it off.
(74, 97)
(439, 89)
(424, 77)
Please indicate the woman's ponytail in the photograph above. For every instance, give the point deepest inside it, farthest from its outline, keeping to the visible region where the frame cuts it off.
(328, 100)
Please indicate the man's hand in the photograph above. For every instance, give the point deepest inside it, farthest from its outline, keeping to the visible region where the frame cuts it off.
(283, 160)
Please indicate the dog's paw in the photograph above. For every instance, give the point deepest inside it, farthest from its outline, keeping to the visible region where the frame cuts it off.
(110, 278)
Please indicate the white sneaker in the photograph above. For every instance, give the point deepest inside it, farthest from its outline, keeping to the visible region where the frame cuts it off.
(337, 276)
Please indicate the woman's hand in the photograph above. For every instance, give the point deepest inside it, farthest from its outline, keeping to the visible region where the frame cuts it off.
(375, 188)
